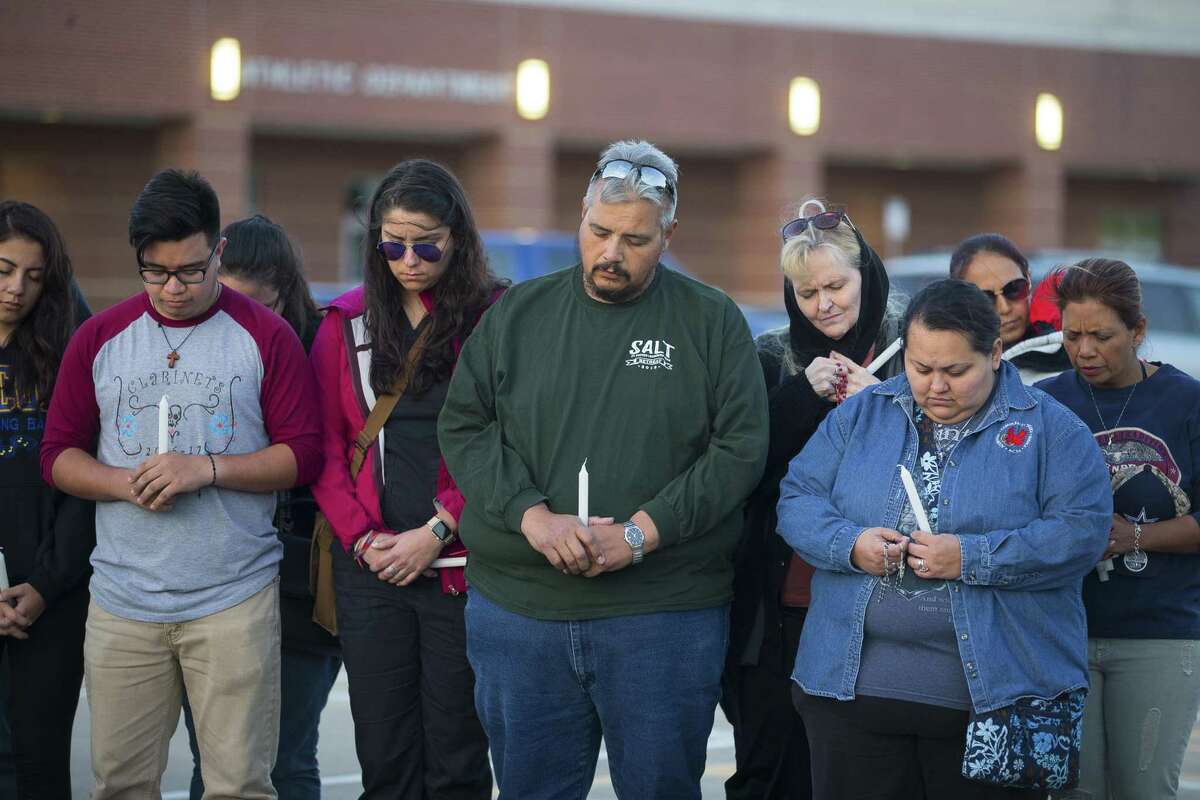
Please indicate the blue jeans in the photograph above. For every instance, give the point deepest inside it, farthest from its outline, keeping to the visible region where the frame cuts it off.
(305, 681)
(547, 690)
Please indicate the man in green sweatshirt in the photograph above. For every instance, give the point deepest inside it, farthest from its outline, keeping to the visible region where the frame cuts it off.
(617, 626)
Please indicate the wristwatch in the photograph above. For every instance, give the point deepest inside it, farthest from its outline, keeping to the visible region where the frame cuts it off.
(636, 539)
(440, 529)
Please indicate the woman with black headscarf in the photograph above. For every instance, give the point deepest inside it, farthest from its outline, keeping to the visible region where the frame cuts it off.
(841, 318)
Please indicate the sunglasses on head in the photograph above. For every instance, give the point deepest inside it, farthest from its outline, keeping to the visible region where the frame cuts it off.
(1014, 290)
(394, 251)
(825, 221)
(651, 176)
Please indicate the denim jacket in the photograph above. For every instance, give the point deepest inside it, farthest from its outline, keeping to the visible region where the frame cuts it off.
(1028, 495)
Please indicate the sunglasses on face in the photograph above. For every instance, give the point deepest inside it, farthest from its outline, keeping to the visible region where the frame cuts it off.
(825, 221)
(1014, 290)
(394, 251)
(188, 274)
(651, 176)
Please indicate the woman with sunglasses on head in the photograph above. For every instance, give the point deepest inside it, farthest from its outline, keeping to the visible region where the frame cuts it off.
(950, 513)
(47, 536)
(1143, 599)
(1001, 271)
(400, 615)
(260, 261)
(842, 314)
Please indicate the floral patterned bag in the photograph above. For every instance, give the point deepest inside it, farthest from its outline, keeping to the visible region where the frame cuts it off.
(1032, 743)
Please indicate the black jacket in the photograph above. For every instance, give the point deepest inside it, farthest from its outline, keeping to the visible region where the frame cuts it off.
(795, 412)
(47, 536)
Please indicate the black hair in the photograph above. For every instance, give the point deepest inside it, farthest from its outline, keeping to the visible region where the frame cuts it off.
(41, 337)
(966, 251)
(460, 295)
(958, 306)
(1108, 281)
(259, 250)
(174, 205)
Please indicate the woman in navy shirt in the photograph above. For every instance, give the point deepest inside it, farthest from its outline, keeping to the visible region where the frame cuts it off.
(1143, 599)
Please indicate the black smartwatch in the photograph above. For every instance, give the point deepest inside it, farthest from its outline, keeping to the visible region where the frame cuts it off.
(440, 529)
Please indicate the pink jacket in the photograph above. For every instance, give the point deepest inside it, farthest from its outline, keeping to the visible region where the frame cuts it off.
(343, 373)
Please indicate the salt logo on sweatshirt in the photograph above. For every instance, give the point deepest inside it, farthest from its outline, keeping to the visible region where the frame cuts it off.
(650, 354)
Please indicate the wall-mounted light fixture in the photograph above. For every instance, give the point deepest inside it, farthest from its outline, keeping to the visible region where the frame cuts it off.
(225, 69)
(1048, 122)
(533, 88)
(804, 106)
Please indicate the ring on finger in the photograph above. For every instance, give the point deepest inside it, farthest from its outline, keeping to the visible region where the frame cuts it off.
(922, 566)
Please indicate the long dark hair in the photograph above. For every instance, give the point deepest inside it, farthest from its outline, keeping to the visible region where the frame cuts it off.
(423, 187)
(41, 337)
(258, 250)
(995, 243)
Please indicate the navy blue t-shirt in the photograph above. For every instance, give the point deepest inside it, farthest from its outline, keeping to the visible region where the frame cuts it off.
(1153, 455)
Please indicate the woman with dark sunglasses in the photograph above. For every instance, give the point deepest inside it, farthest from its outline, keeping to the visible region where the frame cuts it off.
(397, 565)
(1001, 271)
(47, 536)
(842, 315)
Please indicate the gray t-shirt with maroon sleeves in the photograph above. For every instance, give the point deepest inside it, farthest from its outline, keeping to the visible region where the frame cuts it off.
(241, 383)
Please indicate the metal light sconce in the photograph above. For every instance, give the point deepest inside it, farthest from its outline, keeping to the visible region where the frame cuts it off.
(1048, 122)
(804, 106)
(533, 88)
(225, 69)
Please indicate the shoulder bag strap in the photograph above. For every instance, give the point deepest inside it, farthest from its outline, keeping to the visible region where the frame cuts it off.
(385, 403)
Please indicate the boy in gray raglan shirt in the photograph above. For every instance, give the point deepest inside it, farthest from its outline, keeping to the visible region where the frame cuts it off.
(181, 411)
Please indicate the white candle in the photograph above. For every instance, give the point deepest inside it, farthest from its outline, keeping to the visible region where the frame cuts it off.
(3, 571)
(164, 437)
(583, 494)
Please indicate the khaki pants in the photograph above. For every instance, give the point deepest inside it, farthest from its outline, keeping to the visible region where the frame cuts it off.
(136, 671)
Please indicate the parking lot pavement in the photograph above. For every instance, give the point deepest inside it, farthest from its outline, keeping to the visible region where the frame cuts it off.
(339, 767)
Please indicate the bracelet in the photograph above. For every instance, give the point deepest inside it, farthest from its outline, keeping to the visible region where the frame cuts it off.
(361, 546)
(213, 463)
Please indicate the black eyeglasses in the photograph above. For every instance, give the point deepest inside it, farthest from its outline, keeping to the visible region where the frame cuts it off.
(394, 251)
(825, 221)
(1014, 290)
(651, 176)
(188, 274)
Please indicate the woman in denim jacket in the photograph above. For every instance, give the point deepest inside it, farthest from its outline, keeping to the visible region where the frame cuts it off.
(910, 630)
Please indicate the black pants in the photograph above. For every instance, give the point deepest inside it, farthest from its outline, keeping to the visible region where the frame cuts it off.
(770, 745)
(45, 673)
(882, 749)
(411, 688)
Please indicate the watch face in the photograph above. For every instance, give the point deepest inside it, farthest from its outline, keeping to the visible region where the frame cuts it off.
(441, 530)
(634, 535)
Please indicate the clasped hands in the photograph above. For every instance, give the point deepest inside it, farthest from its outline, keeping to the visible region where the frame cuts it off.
(929, 555)
(575, 549)
(837, 377)
(156, 482)
(16, 617)
(401, 558)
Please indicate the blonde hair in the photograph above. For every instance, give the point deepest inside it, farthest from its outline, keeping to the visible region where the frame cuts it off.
(839, 241)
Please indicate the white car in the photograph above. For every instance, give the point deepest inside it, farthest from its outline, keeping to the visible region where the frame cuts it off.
(1170, 297)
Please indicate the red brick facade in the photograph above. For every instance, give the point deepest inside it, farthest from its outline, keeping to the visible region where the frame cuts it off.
(98, 96)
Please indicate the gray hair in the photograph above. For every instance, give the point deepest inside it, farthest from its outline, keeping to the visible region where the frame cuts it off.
(629, 188)
(840, 242)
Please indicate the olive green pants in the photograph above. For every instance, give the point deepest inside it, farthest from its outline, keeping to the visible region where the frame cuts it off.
(1138, 719)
